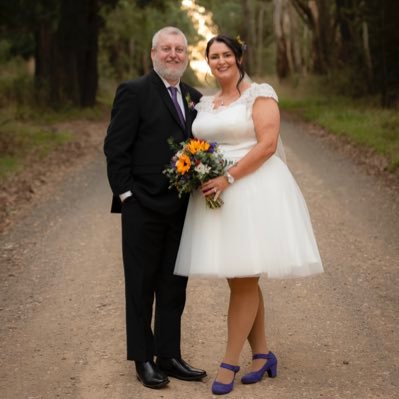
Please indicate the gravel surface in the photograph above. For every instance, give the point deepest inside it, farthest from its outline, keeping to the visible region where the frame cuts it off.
(336, 335)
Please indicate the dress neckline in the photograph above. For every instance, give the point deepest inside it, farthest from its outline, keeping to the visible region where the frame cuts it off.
(233, 102)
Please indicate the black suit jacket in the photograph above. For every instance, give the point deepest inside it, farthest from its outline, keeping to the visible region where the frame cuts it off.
(143, 117)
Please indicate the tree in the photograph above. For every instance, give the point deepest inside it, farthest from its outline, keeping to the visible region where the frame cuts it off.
(317, 15)
(65, 37)
(126, 38)
(281, 21)
(66, 53)
(382, 19)
(227, 15)
(252, 21)
(368, 46)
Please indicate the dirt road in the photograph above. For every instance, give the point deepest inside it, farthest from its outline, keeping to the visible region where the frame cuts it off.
(336, 335)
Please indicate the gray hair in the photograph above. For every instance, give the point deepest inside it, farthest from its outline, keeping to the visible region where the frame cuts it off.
(168, 30)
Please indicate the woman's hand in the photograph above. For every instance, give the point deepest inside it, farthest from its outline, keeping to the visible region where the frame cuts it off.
(215, 186)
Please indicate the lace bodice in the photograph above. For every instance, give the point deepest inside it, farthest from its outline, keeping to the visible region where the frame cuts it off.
(230, 126)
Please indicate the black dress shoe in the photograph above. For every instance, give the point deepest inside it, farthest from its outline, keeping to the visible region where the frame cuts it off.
(178, 368)
(150, 375)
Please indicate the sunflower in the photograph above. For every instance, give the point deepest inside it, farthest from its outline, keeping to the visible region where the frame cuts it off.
(196, 145)
(183, 164)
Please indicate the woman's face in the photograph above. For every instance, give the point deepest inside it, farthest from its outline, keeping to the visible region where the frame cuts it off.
(222, 62)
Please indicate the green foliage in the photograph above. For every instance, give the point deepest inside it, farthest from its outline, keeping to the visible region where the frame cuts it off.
(62, 37)
(252, 20)
(5, 53)
(227, 15)
(20, 137)
(8, 165)
(125, 42)
(362, 121)
(16, 83)
(355, 43)
(21, 19)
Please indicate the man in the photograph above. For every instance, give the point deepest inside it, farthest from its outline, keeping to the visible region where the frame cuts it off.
(146, 112)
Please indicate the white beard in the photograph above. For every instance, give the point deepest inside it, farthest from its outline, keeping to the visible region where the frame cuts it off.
(169, 73)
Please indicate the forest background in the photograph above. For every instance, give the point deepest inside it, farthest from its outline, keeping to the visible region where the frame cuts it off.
(333, 62)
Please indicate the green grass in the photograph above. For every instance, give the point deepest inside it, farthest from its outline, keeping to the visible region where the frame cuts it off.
(8, 165)
(46, 116)
(19, 139)
(28, 128)
(361, 121)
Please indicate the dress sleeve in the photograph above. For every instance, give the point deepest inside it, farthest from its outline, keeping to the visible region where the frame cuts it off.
(262, 90)
(258, 90)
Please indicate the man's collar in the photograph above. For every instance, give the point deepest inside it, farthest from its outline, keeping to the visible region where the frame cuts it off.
(167, 84)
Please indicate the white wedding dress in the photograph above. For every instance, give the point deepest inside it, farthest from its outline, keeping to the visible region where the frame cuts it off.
(264, 224)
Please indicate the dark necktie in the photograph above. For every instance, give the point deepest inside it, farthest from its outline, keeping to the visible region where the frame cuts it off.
(173, 91)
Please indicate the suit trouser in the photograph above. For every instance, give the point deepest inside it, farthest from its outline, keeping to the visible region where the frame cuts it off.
(150, 242)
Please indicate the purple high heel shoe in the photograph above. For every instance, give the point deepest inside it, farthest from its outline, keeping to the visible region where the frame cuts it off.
(270, 367)
(218, 388)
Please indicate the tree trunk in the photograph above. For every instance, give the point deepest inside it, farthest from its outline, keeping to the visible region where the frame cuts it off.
(250, 36)
(345, 17)
(43, 58)
(366, 48)
(260, 42)
(298, 42)
(282, 61)
(88, 71)
(66, 57)
(324, 36)
(382, 37)
(288, 35)
(316, 15)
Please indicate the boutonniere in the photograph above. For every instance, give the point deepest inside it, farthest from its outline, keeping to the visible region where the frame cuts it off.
(190, 102)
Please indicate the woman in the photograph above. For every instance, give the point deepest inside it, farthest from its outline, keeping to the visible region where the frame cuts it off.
(263, 226)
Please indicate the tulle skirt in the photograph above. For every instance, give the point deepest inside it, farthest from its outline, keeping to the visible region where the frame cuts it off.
(263, 227)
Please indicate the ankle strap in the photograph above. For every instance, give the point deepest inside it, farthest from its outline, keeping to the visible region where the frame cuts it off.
(230, 367)
(262, 356)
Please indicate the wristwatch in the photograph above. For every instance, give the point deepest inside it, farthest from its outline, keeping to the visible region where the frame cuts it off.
(230, 178)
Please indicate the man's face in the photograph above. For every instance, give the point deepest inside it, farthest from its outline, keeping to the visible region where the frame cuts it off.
(169, 57)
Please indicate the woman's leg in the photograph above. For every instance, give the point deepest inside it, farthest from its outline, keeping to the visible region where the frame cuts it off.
(243, 308)
(257, 336)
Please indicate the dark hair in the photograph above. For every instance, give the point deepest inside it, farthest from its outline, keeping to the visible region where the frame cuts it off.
(237, 47)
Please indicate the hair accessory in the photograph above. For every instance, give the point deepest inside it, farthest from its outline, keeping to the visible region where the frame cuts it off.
(241, 43)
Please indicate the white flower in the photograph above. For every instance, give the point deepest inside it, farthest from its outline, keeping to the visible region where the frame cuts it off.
(202, 169)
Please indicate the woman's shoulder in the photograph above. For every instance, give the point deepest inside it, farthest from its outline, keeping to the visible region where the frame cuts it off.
(261, 90)
(204, 103)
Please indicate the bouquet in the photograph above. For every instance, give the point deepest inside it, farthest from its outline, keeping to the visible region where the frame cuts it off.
(195, 162)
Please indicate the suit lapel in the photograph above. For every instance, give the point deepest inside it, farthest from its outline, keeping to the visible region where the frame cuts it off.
(163, 91)
(185, 94)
